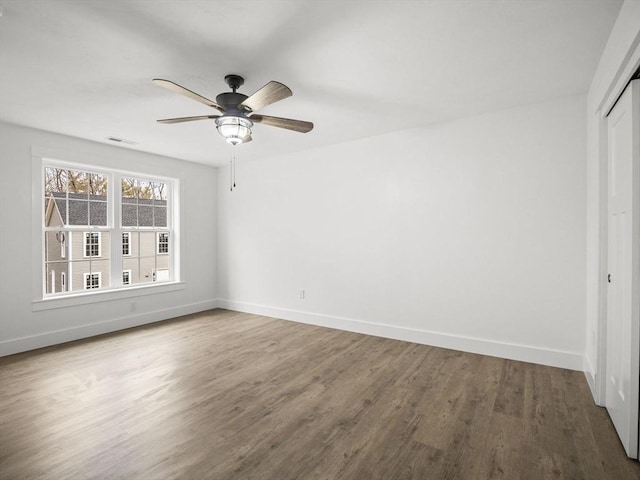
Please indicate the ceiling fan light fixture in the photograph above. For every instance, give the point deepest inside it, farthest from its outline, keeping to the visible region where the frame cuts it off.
(234, 129)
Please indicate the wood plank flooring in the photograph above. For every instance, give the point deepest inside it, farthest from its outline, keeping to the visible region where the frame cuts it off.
(224, 395)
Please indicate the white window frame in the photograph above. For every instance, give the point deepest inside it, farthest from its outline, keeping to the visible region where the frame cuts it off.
(63, 282)
(128, 272)
(85, 244)
(47, 157)
(89, 274)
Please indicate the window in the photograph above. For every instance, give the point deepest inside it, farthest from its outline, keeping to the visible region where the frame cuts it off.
(91, 244)
(62, 241)
(163, 242)
(126, 243)
(105, 229)
(92, 280)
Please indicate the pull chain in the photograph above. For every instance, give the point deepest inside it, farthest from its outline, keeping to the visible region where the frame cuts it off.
(232, 169)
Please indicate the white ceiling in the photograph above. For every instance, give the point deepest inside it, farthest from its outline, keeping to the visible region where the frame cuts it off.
(356, 68)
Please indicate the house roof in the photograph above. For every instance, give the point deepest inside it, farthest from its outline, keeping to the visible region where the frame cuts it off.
(91, 210)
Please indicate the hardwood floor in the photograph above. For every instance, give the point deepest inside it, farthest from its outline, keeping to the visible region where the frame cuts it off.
(224, 395)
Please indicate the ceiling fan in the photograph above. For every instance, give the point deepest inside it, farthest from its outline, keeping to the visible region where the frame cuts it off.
(238, 110)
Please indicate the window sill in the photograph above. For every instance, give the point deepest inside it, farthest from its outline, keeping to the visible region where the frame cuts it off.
(104, 296)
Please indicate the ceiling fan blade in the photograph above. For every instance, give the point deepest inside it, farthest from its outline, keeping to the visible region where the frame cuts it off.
(289, 124)
(187, 119)
(174, 87)
(272, 92)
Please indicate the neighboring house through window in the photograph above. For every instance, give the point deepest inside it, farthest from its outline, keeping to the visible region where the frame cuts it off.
(83, 246)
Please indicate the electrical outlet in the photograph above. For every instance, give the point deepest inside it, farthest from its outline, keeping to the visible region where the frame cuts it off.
(301, 294)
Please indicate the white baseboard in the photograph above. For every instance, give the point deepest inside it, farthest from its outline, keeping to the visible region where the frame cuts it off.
(23, 344)
(525, 353)
(591, 376)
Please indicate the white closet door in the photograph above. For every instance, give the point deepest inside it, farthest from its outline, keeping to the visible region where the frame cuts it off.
(623, 294)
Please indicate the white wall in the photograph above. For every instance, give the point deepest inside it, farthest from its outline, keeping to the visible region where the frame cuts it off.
(22, 328)
(469, 235)
(621, 57)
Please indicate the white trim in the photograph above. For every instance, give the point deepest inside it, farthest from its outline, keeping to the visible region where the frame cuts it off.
(620, 59)
(44, 157)
(129, 272)
(81, 297)
(590, 375)
(55, 337)
(63, 282)
(524, 353)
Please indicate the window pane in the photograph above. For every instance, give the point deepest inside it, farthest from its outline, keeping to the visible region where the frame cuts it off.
(129, 215)
(145, 215)
(147, 244)
(56, 276)
(132, 264)
(55, 188)
(55, 246)
(77, 276)
(55, 181)
(159, 192)
(147, 269)
(98, 185)
(56, 211)
(103, 268)
(129, 190)
(145, 190)
(98, 213)
(78, 183)
(160, 216)
(78, 212)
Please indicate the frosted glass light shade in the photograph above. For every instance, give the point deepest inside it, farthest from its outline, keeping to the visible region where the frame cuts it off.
(234, 129)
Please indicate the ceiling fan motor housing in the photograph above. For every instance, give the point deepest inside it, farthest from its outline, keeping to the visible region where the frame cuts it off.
(230, 101)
